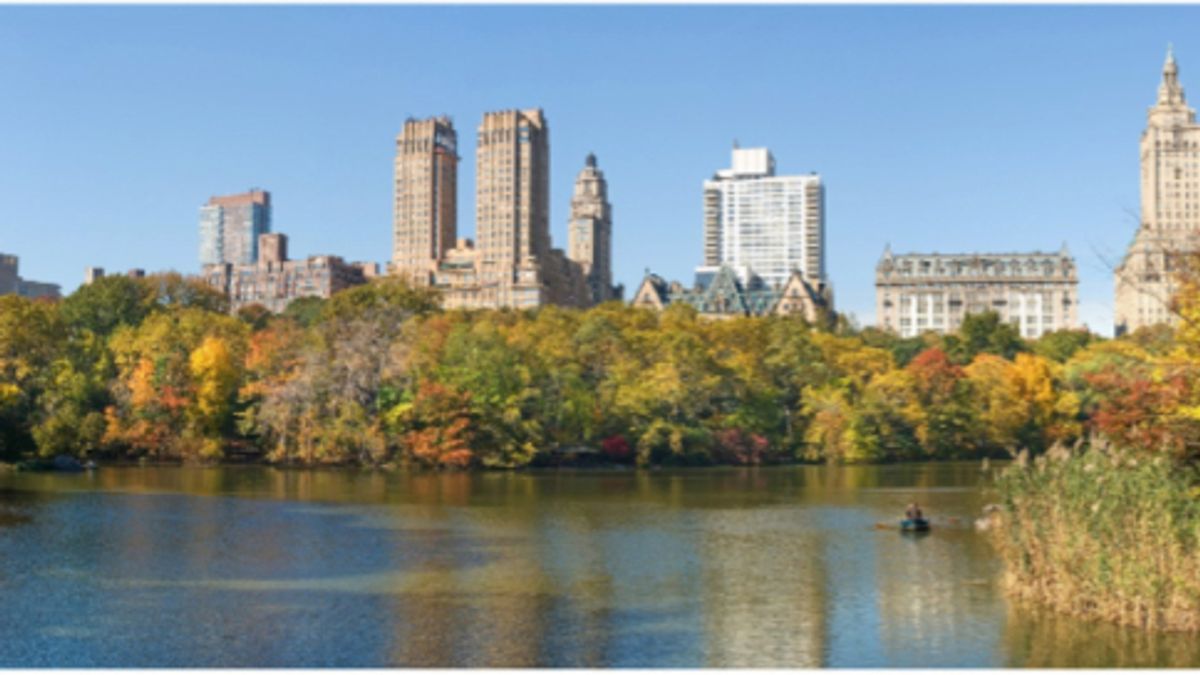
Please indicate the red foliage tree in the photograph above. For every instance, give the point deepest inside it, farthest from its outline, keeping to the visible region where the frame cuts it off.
(738, 447)
(441, 427)
(1137, 411)
(616, 449)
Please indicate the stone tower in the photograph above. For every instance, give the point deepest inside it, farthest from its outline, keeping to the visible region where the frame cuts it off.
(590, 231)
(1170, 201)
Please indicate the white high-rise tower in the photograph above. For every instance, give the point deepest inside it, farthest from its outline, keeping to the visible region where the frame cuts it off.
(764, 225)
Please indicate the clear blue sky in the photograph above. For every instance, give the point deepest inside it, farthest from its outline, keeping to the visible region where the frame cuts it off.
(935, 128)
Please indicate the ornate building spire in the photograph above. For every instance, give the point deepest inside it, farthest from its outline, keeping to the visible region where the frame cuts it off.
(1170, 92)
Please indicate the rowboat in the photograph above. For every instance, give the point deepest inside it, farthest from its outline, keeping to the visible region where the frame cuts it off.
(914, 525)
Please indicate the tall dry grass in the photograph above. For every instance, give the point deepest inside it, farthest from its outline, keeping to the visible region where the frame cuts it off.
(1103, 533)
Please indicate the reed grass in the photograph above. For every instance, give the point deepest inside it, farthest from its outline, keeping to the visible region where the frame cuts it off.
(1103, 533)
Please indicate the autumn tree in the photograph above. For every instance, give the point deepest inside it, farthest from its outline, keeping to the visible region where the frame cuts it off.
(31, 335)
(176, 383)
(946, 427)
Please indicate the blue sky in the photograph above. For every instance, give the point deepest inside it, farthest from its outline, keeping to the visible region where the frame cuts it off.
(935, 128)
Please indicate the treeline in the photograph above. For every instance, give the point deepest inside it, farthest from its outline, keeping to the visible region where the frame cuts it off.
(377, 374)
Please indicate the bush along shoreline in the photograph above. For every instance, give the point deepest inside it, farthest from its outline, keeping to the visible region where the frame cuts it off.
(1105, 533)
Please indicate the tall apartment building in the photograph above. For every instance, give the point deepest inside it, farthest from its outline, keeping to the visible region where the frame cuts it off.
(589, 233)
(274, 280)
(762, 224)
(425, 209)
(511, 262)
(11, 281)
(512, 193)
(916, 292)
(1170, 221)
(231, 225)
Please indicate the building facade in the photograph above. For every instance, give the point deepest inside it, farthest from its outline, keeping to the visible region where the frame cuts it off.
(274, 281)
(92, 274)
(762, 223)
(589, 232)
(1147, 277)
(1036, 292)
(12, 283)
(723, 295)
(425, 209)
(511, 262)
(231, 225)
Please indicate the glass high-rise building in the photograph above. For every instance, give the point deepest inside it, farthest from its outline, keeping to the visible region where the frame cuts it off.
(230, 227)
(761, 224)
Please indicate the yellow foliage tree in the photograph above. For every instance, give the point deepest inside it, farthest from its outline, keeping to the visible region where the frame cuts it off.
(1023, 403)
(215, 375)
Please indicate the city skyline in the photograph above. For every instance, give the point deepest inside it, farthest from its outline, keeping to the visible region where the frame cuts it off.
(928, 136)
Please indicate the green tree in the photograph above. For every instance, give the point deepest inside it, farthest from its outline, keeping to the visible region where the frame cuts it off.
(1061, 345)
(984, 333)
(31, 338)
(107, 304)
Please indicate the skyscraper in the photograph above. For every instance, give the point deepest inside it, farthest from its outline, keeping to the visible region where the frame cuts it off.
(230, 227)
(761, 224)
(590, 231)
(511, 263)
(1170, 221)
(425, 211)
(512, 192)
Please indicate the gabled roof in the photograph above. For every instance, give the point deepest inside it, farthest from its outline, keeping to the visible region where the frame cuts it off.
(725, 295)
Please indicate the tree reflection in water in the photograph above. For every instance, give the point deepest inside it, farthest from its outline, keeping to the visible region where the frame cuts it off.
(780, 566)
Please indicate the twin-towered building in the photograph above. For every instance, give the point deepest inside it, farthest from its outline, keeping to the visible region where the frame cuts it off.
(511, 262)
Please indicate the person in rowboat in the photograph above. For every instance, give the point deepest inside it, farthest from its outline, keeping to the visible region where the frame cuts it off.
(913, 512)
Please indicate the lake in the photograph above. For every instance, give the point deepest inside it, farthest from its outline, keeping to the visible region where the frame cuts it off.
(780, 566)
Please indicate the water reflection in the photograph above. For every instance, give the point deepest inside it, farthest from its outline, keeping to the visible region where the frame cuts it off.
(1040, 639)
(251, 566)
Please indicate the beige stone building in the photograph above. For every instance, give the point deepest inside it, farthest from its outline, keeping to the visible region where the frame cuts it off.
(425, 210)
(1170, 222)
(511, 262)
(589, 236)
(1036, 292)
(275, 281)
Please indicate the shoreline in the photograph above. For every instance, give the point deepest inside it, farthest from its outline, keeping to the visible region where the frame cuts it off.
(101, 463)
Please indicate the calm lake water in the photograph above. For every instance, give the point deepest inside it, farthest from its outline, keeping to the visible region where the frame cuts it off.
(784, 566)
